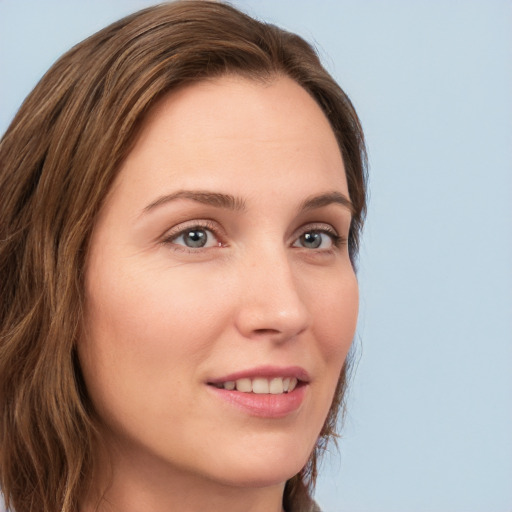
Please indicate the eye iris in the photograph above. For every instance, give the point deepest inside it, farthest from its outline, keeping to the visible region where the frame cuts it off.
(195, 238)
(312, 240)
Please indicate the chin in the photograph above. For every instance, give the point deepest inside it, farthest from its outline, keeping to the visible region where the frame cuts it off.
(263, 467)
(267, 477)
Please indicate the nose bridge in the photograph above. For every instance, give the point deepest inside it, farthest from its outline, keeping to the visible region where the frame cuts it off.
(271, 304)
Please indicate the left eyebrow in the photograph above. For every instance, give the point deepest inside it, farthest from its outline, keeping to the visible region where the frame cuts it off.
(313, 202)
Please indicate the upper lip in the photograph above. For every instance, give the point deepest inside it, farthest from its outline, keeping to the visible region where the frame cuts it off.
(264, 372)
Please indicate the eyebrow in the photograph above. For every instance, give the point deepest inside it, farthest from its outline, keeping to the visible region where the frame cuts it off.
(314, 202)
(230, 202)
(215, 199)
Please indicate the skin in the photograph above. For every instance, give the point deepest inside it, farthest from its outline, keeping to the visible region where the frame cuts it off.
(162, 319)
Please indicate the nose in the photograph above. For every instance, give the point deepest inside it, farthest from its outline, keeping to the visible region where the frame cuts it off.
(271, 305)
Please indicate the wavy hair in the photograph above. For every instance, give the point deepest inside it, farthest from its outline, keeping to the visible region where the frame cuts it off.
(58, 160)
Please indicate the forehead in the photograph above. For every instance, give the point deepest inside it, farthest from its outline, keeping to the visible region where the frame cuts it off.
(235, 132)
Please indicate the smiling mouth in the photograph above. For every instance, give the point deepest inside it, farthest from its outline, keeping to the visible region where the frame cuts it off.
(260, 385)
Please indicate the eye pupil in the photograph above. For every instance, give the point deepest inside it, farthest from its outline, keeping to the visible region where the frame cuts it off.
(195, 238)
(311, 240)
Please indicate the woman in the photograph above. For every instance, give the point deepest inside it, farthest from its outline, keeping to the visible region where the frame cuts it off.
(183, 197)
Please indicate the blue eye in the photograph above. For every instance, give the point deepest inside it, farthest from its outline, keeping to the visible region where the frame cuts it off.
(196, 238)
(317, 239)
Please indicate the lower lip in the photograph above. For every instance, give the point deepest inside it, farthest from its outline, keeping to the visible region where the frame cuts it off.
(264, 405)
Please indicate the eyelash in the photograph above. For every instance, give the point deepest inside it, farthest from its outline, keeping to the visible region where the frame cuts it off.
(206, 225)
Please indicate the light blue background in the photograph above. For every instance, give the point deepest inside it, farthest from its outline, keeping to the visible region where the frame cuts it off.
(430, 419)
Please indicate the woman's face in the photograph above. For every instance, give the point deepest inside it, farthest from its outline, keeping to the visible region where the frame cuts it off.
(220, 261)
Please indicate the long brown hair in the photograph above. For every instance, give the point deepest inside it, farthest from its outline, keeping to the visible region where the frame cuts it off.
(58, 160)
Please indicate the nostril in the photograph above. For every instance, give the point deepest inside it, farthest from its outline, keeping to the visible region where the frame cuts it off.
(266, 331)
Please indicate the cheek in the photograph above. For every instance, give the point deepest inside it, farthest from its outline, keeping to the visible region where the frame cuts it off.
(133, 298)
(335, 314)
(334, 308)
(151, 322)
(146, 333)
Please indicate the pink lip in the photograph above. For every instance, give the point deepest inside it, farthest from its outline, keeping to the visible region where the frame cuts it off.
(264, 405)
(265, 371)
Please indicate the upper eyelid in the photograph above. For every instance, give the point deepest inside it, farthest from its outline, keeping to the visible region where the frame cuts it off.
(316, 226)
(180, 228)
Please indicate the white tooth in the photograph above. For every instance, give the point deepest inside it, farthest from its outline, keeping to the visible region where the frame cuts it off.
(293, 384)
(229, 385)
(260, 386)
(276, 386)
(286, 384)
(244, 385)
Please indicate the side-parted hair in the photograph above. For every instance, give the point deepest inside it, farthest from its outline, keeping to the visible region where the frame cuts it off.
(58, 160)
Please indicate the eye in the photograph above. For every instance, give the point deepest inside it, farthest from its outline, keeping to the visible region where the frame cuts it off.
(318, 239)
(194, 237)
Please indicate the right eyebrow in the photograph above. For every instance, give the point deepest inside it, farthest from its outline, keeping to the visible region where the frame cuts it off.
(215, 199)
